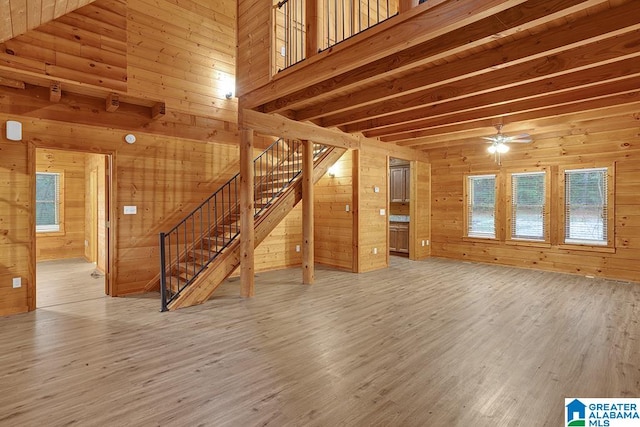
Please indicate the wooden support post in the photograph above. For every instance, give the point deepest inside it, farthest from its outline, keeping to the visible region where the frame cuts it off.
(311, 17)
(112, 103)
(308, 274)
(158, 110)
(247, 230)
(406, 5)
(55, 91)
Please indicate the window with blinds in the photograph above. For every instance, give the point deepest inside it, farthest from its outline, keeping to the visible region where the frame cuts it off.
(586, 206)
(528, 205)
(47, 202)
(481, 206)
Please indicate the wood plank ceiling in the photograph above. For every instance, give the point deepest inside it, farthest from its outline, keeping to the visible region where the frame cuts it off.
(20, 16)
(540, 67)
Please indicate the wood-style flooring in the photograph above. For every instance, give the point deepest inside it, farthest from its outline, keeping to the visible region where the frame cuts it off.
(67, 280)
(431, 343)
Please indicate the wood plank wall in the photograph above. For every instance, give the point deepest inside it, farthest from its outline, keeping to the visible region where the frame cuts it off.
(96, 162)
(373, 228)
(184, 53)
(333, 225)
(88, 45)
(621, 146)
(420, 211)
(254, 45)
(69, 241)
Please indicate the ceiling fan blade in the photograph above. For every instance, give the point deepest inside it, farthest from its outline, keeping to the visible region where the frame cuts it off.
(520, 141)
(489, 138)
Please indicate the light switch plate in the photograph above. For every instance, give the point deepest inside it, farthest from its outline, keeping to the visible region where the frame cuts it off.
(382, 212)
(17, 282)
(130, 210)
(346, 208)
(376, 189)
(297, 248)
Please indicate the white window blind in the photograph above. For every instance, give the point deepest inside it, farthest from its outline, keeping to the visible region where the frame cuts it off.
(586, 206)
(47, 201)
(481, 206)
(528, 205)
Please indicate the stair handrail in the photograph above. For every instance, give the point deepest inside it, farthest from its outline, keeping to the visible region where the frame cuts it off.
(232, 208)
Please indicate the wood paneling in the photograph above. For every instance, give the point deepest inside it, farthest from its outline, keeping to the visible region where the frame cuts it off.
(95, 196)
(19, 16)
(619, 146)
(183, 53)
(254, 45)
(86, 46)
(69, 241)
(333, 226)
(372, 226)
(163, 177)
(278, 250)
(420, 211)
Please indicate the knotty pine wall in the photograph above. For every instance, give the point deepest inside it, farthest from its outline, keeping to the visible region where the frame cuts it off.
(254, 45)
(372, 228)
(96, 162)
(333, 225)
(69, 241)
(619, 146)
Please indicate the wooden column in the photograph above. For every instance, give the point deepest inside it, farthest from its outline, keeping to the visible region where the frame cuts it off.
(311, 17)
(308, 274)
(247, 231)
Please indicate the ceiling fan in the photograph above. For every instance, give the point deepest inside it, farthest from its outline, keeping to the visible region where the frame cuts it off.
(499, 142)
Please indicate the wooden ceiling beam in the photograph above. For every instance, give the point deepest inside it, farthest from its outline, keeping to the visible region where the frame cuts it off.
(611, 22)
(270, 124)
(554, 129)
(616, 77)
(431, 42)
(403, 32)
(33, 102)
(584, 105)
(16, 84)
(550, 69)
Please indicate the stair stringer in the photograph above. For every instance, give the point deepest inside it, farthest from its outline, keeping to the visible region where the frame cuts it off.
(221, 268)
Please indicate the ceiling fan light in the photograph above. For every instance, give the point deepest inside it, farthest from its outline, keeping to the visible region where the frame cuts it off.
(502, 148)
(492, 149)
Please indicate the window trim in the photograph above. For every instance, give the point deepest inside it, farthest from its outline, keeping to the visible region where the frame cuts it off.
(58, 229)
(478, 237)
(609, 246)
(546, 239)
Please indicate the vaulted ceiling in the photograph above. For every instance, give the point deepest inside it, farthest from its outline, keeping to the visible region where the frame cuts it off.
(540, 66)
(20, 16)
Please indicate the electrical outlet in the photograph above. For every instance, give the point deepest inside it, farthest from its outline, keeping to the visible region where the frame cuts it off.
(17, 282)
(382, 212)
(423, 243)
(375, 251)
(346, 208)
(376, 189)
(427, 242)
(130, 210)
(297, 248)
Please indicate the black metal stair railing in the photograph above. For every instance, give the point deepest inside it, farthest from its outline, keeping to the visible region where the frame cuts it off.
(338, 21)
(198, 239)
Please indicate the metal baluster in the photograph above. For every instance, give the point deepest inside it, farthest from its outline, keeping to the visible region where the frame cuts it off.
(163, 276)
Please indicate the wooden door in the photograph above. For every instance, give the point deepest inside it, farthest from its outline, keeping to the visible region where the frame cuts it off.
(396, 184)
(93, 217)
(406, 182)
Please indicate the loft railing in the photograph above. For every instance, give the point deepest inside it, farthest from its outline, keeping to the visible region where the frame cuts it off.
(189, 247)
(337, 21)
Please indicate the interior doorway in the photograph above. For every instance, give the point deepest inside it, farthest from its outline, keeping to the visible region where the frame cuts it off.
(399, 206)
(72, 240)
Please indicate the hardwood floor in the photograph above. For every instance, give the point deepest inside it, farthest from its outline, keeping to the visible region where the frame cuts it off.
(433, 343)
(67, 280)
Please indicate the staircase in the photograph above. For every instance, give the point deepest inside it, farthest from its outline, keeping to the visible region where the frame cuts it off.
(203, 249)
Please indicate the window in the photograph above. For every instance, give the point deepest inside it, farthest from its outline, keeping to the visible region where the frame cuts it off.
(586, 206)
(481, 206)
(528, 206)
(47, 202)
